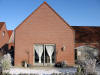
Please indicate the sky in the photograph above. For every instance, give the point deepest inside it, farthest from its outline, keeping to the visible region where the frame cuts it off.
(74, 12)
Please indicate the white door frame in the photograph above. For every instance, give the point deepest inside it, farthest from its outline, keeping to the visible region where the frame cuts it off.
(44, 64)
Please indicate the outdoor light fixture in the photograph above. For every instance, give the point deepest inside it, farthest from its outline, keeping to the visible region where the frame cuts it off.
(63, 48)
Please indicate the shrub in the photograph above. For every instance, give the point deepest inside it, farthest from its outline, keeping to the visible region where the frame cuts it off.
(6, 62)
(61, 64)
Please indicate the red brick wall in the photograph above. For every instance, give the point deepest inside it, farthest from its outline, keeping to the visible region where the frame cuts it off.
(44, 26)
(3, 40)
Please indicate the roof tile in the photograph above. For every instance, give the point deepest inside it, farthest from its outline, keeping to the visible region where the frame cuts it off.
(10, 33)
(87, 34)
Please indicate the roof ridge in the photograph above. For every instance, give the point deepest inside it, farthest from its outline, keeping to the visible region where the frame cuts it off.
(51, 9)
(57, 14)
(29, 16)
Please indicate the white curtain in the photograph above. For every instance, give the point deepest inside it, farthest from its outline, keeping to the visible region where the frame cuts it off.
(50, 50)
(39, 51)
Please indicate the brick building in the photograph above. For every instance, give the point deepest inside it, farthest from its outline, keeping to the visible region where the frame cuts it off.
(4, 38)
(41, 39)
(44, 38)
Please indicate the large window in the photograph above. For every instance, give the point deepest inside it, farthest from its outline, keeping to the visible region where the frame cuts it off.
(44, 53)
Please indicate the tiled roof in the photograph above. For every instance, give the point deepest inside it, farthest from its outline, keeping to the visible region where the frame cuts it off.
(87, 34)
(10, 33)
(1, 24)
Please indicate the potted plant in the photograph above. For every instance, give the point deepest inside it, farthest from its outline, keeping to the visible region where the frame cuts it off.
(24, 63)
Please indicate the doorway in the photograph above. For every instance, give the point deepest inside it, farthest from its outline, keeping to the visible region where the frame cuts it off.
(44, 54)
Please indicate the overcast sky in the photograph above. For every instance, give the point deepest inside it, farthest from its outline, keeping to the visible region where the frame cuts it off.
(75, 12)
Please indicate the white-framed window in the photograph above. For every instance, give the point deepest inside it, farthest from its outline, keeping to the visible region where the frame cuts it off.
(44, 53)
(79, 53)
(3, 33)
